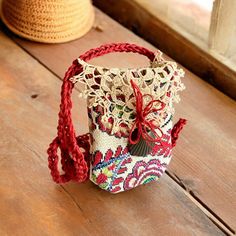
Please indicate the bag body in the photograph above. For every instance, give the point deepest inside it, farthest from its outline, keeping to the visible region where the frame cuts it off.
(130, 113)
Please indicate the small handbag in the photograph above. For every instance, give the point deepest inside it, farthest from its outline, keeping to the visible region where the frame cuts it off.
(130, 112)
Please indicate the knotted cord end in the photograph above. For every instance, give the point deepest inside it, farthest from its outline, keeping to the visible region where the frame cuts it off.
(176, 130)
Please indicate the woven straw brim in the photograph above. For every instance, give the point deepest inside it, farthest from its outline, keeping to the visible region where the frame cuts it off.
(48, 21)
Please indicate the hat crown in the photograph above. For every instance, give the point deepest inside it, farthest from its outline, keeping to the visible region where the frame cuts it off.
(50, 21)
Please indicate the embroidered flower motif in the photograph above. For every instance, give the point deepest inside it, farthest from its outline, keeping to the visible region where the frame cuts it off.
(143, 173)
(106, 174)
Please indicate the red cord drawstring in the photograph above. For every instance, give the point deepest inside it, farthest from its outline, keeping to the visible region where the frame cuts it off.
(144, 126)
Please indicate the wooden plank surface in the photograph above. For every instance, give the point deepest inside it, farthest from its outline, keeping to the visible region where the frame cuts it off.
(31, 204)
(204, 159)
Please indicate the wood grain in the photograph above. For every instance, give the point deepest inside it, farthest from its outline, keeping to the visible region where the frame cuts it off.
(204, 159)
(31, 204)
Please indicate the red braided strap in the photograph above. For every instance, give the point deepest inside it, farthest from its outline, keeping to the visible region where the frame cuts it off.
(75, 162)
(117, 47)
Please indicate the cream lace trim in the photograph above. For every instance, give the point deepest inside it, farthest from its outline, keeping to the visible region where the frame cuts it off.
(111, 89)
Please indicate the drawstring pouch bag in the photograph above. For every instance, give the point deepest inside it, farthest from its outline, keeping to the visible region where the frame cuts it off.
(130, 112)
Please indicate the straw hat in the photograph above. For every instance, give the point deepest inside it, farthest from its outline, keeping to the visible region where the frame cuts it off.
(48, 21)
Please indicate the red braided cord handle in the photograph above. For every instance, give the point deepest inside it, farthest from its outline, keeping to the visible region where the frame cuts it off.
(74, 161)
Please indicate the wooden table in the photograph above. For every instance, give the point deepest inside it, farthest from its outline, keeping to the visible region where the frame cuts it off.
(195, 197)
